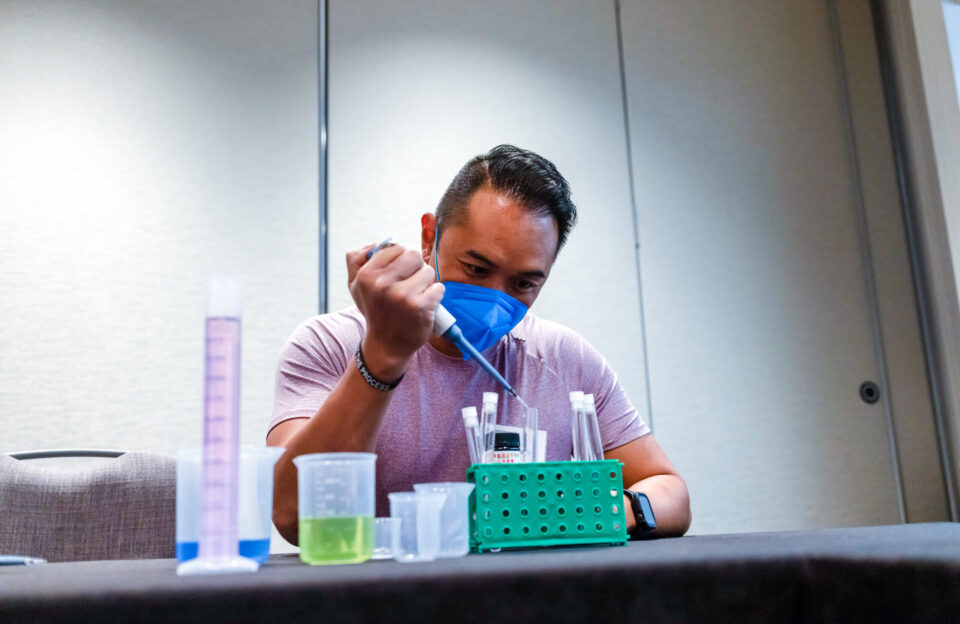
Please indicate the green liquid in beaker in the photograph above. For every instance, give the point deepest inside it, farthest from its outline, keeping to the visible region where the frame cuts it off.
(336, 540)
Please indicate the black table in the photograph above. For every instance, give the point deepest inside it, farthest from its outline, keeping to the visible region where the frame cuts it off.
(873, 574)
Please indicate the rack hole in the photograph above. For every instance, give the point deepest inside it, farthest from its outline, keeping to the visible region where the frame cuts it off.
(504, 478)
(541, 477)
(616, 509)
(562, 528)
(506, 513)
(485, 479)
(613, 475)
(543, 512)
(599, 526)
(560, 493)
(581, 528)
(488, 532)
(577, 476)
(506, 530)
(579, 511)
(524, 512)
(561, 511)
(505, 495)
(613, 492)
(578, 492)
(595, 475)
(616, 526)
(543, 528)
(488, 514)
(596, 492)
(522, 477)
(559, 476)
(486, 496)
(523, 495)
(526, 530)
(597, 509)
(542, 494)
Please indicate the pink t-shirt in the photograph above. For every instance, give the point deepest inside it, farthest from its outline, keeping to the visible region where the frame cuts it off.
(422, 438)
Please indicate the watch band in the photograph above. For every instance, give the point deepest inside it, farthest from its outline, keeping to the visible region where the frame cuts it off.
(370, 379)
(642, 513)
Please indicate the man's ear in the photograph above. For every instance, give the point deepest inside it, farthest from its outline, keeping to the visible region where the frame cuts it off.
(428, 231)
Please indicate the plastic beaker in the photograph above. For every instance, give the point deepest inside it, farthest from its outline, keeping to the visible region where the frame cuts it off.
(335, 495)
(386, 538)
(454, 516)
(254, 504)
(419, 513)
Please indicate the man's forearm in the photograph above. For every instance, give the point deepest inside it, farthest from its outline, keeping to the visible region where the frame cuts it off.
(670, 502)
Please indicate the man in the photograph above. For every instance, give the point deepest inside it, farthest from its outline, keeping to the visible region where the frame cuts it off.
(373, 377)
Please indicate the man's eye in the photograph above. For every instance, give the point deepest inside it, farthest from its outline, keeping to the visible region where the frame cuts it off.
(525, 285)
(475, 270)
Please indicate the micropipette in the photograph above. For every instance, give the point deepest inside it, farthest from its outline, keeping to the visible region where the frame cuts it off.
(218, 550)
(445, 326)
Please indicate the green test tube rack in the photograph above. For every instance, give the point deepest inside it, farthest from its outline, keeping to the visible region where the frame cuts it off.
(536, 505)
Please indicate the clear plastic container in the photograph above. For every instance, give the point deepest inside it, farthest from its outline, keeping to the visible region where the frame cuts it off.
(419, 513)
(336, 506)
(255, 501)
(454, 516)
(386, 538)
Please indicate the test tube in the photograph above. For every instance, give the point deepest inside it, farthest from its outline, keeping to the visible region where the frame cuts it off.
(218, 549)
(530, 427)
(470, 425)
(488, 423)
(576, 428)
(595, 443)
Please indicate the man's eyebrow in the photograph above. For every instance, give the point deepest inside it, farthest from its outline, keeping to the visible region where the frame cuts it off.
(533, 273)
(481, 258)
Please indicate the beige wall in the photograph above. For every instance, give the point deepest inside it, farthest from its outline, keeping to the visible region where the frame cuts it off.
(144, 144)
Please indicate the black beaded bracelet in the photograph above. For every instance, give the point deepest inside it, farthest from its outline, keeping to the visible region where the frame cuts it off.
(370, 379)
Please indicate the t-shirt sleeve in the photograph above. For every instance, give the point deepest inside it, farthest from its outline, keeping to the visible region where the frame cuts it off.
(620, 422)
(311, 363)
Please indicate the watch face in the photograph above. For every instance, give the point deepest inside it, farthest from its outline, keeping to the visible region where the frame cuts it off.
(647, 510)
(643, 511)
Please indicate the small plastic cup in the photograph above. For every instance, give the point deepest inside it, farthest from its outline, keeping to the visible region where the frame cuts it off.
(386, 538)
(335, 495)
(419, 513)
(454, 516)
(254, 504)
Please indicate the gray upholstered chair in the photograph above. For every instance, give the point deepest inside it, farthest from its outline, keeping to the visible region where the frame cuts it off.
(124, 508)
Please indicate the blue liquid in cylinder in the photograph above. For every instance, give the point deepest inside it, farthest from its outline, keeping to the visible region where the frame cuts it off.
(257, 549)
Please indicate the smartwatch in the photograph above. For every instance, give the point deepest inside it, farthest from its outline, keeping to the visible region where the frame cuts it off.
(642, 512)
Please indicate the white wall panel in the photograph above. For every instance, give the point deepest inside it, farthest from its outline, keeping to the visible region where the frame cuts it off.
(144, 144)
(419, 87)
(758, 315)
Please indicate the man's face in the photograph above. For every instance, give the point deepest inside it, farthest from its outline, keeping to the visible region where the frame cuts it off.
(500, 244)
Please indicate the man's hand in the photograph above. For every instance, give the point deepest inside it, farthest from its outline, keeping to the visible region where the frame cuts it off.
(398, 294)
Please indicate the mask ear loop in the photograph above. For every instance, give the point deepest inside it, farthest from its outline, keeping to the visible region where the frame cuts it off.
(436, 259)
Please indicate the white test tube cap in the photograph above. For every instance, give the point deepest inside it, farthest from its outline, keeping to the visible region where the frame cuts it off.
(224, 296)
(490, 398)
(576, 398)
(470, 416)
(588, 401)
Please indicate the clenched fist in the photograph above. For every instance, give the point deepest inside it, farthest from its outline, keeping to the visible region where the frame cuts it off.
(397, 293)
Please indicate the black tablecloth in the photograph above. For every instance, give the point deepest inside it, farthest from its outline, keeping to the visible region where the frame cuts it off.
(871, 574)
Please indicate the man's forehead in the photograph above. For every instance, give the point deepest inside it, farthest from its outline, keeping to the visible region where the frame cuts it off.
(505, 232)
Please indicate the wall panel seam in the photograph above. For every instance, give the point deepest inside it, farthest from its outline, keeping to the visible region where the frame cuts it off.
(633, 213)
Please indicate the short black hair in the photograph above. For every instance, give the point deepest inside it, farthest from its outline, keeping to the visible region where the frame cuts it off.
(529, 178)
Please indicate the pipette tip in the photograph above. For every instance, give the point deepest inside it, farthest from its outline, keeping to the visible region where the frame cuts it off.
(517, 397)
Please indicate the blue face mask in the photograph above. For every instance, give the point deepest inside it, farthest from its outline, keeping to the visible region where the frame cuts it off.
(484, 315)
